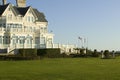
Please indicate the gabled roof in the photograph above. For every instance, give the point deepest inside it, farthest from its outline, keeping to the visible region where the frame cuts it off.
(40, 16)
(2, 8)
(23, 10)
(15, 8)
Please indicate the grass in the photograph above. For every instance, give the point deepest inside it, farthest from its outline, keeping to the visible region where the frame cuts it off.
(61, 69)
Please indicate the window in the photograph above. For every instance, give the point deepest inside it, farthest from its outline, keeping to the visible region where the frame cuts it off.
(9, 9)
(42, 40)
(45, 29)
(30, 12)
(41, 29)
(9, 16)
(32, 19)
(28, 41)
(4, 25)
(7, 39)
(8, 27)
(37, 40)
(20, 25)
(50, 40)
(11, 25)
(22, 41)
(28, 18)
(13, 41)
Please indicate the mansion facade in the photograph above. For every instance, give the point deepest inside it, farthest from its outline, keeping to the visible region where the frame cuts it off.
(22, 26)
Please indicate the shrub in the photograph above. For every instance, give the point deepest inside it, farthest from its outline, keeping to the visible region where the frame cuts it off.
(106, 54)
(95, 53)
(27, 52)
(50, 53)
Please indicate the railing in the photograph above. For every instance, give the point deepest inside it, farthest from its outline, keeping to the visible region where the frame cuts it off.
(16, 30)
(2, 29)
(4, 46)
(13, 19)
(3, 18)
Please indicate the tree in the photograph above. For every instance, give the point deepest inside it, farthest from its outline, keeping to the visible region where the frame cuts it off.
(95, 53)
(106, 54)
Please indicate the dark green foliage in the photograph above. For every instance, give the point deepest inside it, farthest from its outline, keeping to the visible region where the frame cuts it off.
(89, 52)
(17, 57)
(50, 53)
(77, 49)
(95, 53)
(117, 53)
(106, 54)
(27, 52)
(82, 52)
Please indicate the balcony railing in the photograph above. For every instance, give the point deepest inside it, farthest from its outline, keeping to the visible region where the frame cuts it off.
(4, 18)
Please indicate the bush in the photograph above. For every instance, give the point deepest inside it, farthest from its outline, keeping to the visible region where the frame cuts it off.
(27, 52)
(106, 54)
(95, 53)
(50, 53)
(83, 53)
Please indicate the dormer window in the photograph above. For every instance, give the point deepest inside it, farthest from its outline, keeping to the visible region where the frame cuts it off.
(30, 12)
(9, 16)
(9, 9)
(30, 19)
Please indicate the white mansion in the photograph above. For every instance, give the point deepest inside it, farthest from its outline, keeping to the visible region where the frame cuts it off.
(23, 27)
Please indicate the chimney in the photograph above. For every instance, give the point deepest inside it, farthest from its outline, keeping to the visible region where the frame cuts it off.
(2, 2)
(21, 3)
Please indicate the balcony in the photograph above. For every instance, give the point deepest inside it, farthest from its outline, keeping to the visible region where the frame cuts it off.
(13, 19)
(2, 29)
(2, 19)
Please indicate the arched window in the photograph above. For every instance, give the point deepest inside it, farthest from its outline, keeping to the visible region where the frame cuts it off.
(9, 16)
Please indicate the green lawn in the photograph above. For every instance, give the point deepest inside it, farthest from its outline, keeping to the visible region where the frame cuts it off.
(61, 69)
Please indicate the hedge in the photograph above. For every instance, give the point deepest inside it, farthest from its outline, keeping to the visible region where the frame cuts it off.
(27, 52)
(50, 53)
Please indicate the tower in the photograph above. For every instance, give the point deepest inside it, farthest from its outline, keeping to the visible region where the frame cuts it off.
(21, 3)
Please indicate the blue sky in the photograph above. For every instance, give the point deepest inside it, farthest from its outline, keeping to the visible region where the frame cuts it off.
(96, 20)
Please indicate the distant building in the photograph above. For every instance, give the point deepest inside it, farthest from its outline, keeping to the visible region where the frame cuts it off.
(22, 26)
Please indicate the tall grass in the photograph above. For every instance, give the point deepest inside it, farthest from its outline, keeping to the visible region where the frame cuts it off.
(61, 69)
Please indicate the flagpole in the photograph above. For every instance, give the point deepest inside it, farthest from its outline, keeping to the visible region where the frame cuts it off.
(81, 41)
(87, 42)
